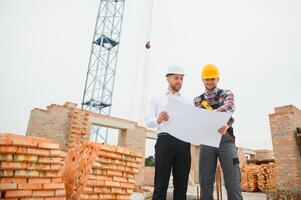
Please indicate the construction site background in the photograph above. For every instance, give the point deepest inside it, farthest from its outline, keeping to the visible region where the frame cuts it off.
(66, 127)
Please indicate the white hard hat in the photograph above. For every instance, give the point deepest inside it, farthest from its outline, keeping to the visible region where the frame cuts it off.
(175, 70)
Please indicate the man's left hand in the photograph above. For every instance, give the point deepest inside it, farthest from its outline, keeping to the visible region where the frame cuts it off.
(223, 130)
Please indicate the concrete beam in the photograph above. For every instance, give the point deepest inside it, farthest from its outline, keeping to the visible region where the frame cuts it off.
(112, 122)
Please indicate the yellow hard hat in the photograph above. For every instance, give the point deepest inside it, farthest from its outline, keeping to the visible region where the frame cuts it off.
(210, 71)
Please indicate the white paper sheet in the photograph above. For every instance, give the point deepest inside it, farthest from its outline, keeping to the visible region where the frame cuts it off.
(194, 125)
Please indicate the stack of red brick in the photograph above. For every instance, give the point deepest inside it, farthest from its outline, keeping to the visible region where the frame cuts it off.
(79, 127)
(96, 171)
(31, 168)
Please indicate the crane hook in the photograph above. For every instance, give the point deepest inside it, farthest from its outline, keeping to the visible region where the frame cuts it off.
(147, 45)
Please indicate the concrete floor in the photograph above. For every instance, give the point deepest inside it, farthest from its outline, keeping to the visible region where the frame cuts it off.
(192, 195)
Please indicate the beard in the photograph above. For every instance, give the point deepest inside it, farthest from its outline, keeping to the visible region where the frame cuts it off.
(176, 88)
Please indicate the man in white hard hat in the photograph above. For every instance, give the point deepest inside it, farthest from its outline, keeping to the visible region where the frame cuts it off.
(171, 154)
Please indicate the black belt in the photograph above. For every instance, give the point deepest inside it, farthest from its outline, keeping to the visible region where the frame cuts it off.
(163, 133)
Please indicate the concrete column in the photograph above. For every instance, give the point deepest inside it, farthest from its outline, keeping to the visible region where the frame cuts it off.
(134, 139)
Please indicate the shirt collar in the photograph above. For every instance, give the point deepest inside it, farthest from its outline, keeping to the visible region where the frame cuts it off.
(177, 93)
(211, 92)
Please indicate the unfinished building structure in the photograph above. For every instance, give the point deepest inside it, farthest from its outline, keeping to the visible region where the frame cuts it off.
(285, 126)
(68, 125)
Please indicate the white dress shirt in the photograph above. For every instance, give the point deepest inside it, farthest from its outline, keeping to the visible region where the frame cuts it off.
(158, 105)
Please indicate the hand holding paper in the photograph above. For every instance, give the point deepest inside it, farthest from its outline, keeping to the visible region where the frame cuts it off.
(194, 125)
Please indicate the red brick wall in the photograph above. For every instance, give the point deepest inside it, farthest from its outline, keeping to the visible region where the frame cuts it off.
(96, 171)
(65, 125)
(283, 124)
(52, 123)
(31, 168)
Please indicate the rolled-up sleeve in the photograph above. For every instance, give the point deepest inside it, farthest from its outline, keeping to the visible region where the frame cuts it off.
(228, 103)
(152, 114)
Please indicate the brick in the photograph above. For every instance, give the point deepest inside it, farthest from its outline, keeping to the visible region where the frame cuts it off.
(117, 191)
(28, 158)
(21, 150)
(90, 196)
(130, 191)
(39, 180)
(112, 184)
(114, 173)
(107, 196)
(49, 174)
(101, 190)
(30, 186)
(54, 186)
(137, 154)
(8, 186)
(38, 166)
(6, 141)
(121, 168)
(50, 160)
(55, 152)
(39, 152)
(24, 142)
(55, 198)
(6, 157)
(45, 145)
(127, 185)
(99, 183)
(43, 193)
(18, 193)
(60, 193)
(6, 173)
(92, 177)
(120, 179)
(123, 150)
(57, 180)
(108, 148)
(113, 155)
(13, 180)
(131, 180)
(55, 167)
(26, 173)
(13, 165)
(8, 149)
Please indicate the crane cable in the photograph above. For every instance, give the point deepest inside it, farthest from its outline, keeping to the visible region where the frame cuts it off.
(146, 64)
(149, 24)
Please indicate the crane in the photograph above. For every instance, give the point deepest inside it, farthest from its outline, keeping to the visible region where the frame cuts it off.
(100, 78)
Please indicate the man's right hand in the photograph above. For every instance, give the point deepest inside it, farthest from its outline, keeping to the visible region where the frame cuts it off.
(163, 116)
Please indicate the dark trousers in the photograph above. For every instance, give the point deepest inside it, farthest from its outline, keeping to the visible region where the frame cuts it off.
(171, 154)
(227, 155)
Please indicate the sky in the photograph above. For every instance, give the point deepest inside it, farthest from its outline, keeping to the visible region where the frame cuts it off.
(45, 46)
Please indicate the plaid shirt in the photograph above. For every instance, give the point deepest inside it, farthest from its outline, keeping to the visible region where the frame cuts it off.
(226, 100)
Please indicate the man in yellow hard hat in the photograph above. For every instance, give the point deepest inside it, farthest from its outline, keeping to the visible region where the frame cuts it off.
(221, 100)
